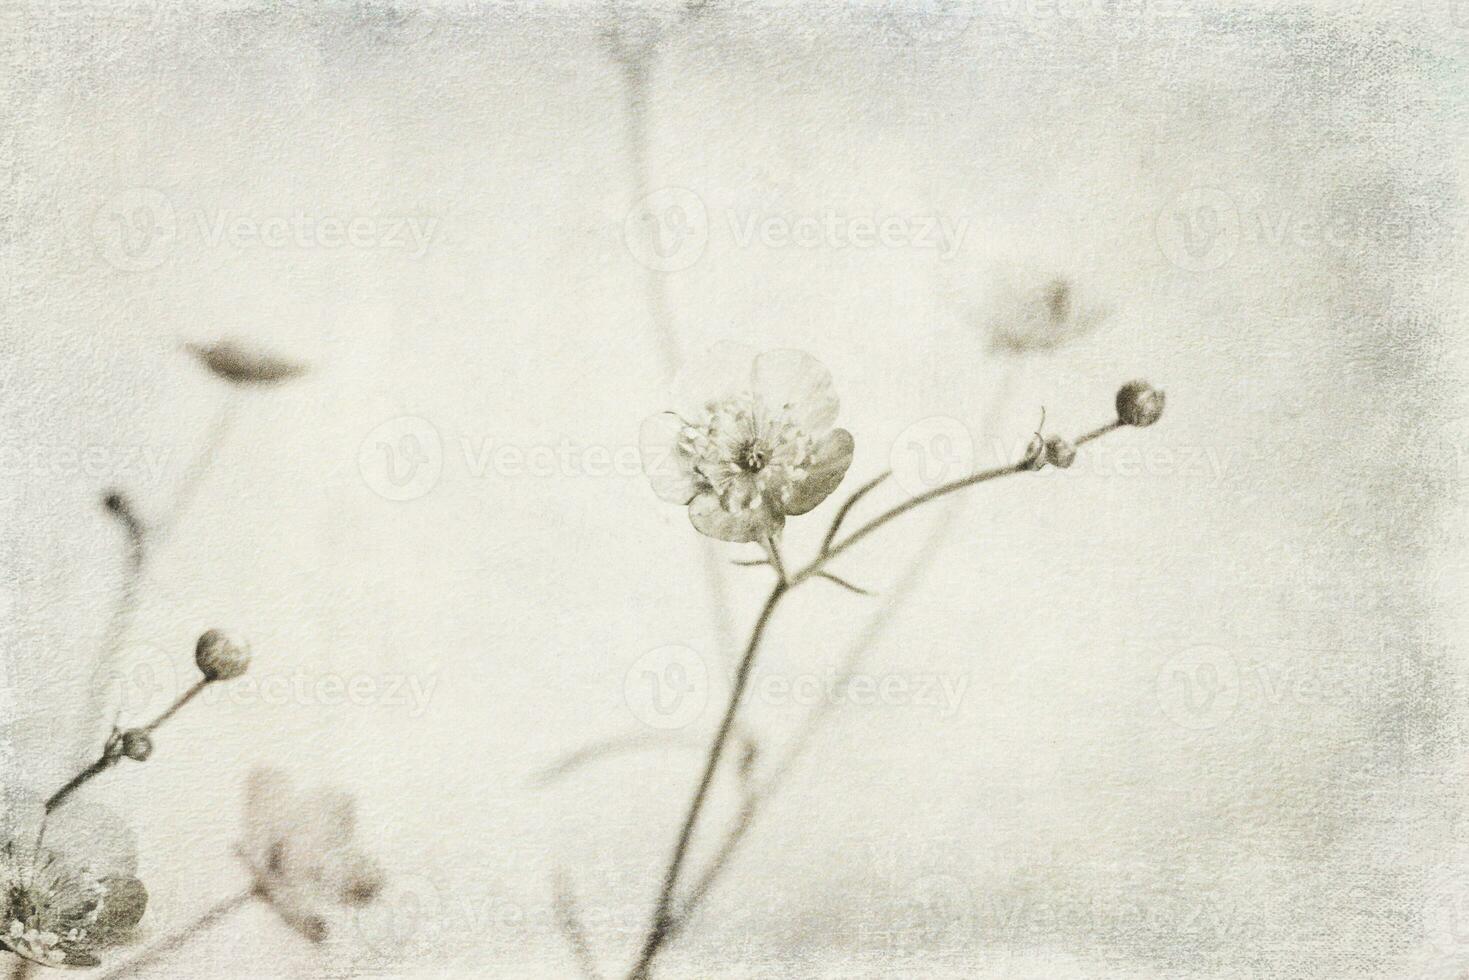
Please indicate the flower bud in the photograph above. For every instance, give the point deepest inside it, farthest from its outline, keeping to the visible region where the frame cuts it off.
(1060, 453)
(220, 657)
(1139, 404)
(136, 745)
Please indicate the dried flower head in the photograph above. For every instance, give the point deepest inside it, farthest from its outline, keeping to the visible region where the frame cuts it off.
(221, 657)
(1060, 453)
(753, 445)
(240, 364)
(299, 848)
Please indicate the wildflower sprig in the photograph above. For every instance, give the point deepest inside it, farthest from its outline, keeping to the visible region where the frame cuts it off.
(1137, 404)
(218, 658)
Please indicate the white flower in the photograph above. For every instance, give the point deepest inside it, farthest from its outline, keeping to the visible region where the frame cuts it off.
(300, 851)
(56, 912)
(752, 444)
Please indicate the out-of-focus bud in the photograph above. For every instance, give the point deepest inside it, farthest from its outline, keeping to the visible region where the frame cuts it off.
(1060, 453)
(360, 880)
(221, 657)
(136, 745)
(1035, 454)
(243, 364)
(1139, 404)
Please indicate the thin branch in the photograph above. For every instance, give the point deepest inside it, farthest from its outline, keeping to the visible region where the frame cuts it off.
(213, 917)
(112, 751)
(893, 513)
(617, 745)
(862, 491)
(844, 583)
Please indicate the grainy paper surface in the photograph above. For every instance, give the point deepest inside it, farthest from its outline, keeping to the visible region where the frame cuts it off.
(338, 328)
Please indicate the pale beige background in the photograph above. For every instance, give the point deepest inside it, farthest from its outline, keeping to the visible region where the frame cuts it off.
(1297, 529)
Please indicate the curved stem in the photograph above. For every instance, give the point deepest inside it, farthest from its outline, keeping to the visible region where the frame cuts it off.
(212, 917)
(112, 751)
(658, 929)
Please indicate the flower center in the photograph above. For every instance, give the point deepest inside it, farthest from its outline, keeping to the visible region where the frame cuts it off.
(752, 457)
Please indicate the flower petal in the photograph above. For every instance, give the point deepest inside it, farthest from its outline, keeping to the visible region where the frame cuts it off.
(123, 904)
(828, 465)
(720, 373)
(269, 800)
(670, 471)
(798, 386)
(752, 524)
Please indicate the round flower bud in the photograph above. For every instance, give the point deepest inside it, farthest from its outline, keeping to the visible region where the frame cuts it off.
(1139, 404)
(136, 745)
(1060, 453)
(221, 657)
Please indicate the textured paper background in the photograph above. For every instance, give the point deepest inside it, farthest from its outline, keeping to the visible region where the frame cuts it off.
(1081, 811)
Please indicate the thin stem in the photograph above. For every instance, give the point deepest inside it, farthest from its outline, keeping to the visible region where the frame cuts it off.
(984, 476)
(112, 751)
(862, 491)
(665, 923)
(773, 549)
(838, 580)
(104, 762)
(172, 709)
(211, 918)
(662, 912)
